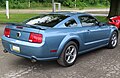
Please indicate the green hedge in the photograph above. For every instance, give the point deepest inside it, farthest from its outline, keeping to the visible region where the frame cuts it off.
(21, 4)
(85, 3)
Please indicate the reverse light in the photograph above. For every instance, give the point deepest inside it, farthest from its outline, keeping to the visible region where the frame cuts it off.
(7, 32)
(35, 37)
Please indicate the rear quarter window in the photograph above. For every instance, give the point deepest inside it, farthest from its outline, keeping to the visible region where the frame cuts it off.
(71, 23)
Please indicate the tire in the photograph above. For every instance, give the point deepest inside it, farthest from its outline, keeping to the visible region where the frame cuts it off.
(113, 40)
(69, 54)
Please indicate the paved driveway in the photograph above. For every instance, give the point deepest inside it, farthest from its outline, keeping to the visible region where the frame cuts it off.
(101, 63)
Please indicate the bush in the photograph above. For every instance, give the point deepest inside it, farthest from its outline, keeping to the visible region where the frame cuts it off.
(21, 4)
(18, 5)
(45, 4)
(2, 4)
(24, 5)
(71, 4)
(81, 5)
(34, 4)
(68, 3)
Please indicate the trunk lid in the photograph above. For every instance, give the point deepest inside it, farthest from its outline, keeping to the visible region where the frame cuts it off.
(22, 31)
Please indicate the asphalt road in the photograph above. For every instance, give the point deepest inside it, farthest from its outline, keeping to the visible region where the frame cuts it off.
(100, 63)
(94, 12)
(106, 10)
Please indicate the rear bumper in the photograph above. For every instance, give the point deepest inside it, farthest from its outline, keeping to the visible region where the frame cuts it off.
(28, 50)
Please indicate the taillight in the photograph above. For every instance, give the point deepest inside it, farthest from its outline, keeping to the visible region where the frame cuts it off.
(7, 32)
(35, 37)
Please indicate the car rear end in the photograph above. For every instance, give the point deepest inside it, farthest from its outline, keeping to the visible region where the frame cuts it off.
(30, 39)
(115, 21)
(26, 42)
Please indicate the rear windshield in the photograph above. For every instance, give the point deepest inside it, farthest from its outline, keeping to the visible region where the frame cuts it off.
(48, 20)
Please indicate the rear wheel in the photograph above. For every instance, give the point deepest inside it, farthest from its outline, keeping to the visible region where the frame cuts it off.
(113, 40)
(69, 54)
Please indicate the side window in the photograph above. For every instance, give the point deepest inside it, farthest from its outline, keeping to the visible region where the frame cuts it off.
(88, 21)
(71, 23)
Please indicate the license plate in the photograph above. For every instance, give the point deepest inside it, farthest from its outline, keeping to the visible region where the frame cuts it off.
(16, 48)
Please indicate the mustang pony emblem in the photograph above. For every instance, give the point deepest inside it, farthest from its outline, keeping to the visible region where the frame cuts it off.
(18, 34)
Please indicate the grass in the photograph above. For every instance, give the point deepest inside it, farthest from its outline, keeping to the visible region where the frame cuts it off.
(22, 17)
(102, 18)
(15, 17)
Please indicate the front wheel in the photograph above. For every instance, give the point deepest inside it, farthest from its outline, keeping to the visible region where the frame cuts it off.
(69, 54)
(113, 40)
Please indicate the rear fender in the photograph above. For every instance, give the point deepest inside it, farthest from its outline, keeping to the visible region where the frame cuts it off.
(113, 29)
(66, 40)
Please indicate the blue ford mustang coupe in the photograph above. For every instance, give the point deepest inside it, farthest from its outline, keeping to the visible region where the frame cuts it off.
(60, 35)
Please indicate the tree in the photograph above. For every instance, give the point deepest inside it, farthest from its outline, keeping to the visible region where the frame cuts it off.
(114, 8)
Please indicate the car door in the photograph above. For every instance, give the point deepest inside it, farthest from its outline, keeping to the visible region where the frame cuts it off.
(94, 34)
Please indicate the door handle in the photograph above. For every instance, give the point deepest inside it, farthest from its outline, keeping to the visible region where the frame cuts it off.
(88, 30)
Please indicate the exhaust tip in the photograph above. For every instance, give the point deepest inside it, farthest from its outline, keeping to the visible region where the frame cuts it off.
(5, 51)
(33, 59)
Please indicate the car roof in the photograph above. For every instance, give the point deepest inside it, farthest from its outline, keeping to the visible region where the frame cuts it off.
(68, 13)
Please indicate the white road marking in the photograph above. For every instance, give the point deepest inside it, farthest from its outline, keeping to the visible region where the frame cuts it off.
(17, 74)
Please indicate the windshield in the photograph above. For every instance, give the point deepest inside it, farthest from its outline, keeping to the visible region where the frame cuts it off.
(49, 20)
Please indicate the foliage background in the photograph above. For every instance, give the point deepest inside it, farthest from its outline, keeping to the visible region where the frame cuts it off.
(24, 4)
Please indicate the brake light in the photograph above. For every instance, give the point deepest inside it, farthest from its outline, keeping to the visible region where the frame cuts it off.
(35, 38)
(7, 32)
